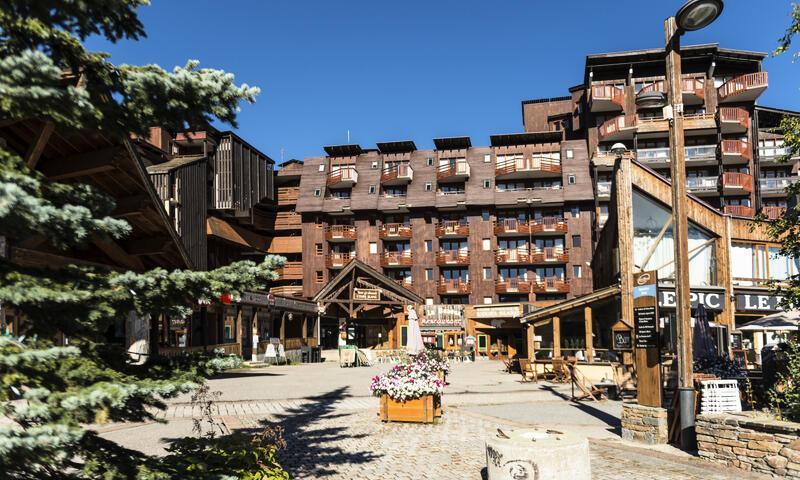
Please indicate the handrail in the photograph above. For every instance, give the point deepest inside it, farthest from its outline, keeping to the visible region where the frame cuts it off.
(341, 231)
(735, 114)
(343, 174)
(693, 85)
(515, 285)
(338, 259)
(616, 124)
(397, 258)
(776, 183)
(609, 92)
(702, 183)
(452, 227)
(736, 147)
(401, 170)
(773, 213)
(459, 167)
(528, 164)
(741, 83)
(739, 210)
(395, 230)
(736, 179)
(453, 285)
(458, 257)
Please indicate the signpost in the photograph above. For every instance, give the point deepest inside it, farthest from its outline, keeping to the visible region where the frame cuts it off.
(645, 325)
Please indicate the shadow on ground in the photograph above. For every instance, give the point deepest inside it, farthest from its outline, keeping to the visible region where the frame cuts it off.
(605, 417)
(244, 374)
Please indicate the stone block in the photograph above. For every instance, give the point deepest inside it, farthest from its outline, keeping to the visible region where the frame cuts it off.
(792, 454)
(750, 435)
(705, 438)
(764, 446)
(731, 443)
(776, 461)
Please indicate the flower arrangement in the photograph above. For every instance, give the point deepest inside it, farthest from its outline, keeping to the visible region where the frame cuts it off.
(432, 363)
(407, 382)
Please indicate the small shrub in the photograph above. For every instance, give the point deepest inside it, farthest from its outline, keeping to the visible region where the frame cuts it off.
(784, 397)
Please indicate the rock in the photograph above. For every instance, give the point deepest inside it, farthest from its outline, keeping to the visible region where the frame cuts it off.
(764, 446)
(776, 461)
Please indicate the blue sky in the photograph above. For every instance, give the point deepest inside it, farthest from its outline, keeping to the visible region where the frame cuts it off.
(421, 69)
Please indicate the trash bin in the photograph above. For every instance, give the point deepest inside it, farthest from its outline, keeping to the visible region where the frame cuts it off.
(305, 354)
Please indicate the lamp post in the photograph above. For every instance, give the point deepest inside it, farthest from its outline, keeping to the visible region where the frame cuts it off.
(693, 15)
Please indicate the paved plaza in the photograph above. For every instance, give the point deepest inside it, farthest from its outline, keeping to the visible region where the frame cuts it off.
(333, 432)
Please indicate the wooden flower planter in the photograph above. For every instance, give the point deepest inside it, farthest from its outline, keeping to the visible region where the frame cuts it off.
(427, 409)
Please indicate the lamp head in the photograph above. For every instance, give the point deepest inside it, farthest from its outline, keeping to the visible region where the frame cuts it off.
(619, 149)
(697, 14)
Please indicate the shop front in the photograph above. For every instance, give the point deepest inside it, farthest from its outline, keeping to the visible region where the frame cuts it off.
(498, 331)
(753, 304)
(443, 327)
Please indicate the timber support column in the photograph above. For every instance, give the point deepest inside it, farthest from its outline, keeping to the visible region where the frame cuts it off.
(531, 342)
(587, 325)
(556, 337)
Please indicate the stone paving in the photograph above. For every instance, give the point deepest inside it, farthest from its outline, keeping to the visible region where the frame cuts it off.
(335, 433)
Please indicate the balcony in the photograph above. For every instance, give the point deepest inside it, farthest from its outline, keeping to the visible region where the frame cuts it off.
(696, 155)
(452, 257)
(511, 227)
(550, 255)
(342, 177)
(654, 157)
(527, 167)
(734, 183)
(775, 187)
(773, 213)
(739, 210)
(454, 286)
(550, 285)
(452, 228)
(394, 230)
(744, 88)
(457, 171)
(604, 189)
(735, 152)
(338, 260)
(397, 174)
(693, 90)
(618, 128)
(406, 282)
(396, 259)
(702, 186)
(288, 196)
(341, 233)
(512, 285)
(773, 154)
(733, 120)
(290, 271)
(513, 256)
(607, 98)
(549, 226)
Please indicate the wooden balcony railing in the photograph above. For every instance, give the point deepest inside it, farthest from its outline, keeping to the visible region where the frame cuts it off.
(288, 196)
(735, 115)
(512, 285)
(396, 259)
(513, 255)
(287, 290)
(338, 260)
(550, 255)
(452, 257)
(739, 210)
(694, 86)
(743, 181)
(611, 93)
(452, 228)
(528, 164)
(290, 271)
(394, 230)
(342, 175)
(405, 281)
(616, 125)
(549, 225)
(459, 168)
(550, 285)
(396, 173)
(288, 221)
(656, 86)
(456, 286)
(341, 232)
(512, 226)
(773, 213)
(741, 84)
(737, 148)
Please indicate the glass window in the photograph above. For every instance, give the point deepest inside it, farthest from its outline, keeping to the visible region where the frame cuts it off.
(428, 245)
(487, 273)
(428, 274)
(487, 244)
(576, 241)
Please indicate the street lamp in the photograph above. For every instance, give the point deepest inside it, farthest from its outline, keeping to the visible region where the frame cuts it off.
(693, 15)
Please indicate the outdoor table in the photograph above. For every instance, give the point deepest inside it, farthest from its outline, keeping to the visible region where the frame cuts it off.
(610, 388)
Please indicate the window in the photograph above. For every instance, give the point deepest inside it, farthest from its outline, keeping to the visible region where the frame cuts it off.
(428, 245)
(318, 249)
(487, 158)
(319, 276)
(429, 274)
(430, 161)
(318, 222)
(428, 187)
(576, 241)
(576, 271)
(570, 153)
(322, 168)
(487, 184)
(374, 165)
(576, 212)
(571, 179)
(317, 192)
(486, 215)
(487, 273)
(487, 300)
(429, 301)
(487, 244)
(373, 247)
(372, 189)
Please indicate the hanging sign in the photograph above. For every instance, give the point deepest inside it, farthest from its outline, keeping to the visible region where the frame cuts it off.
(645, 309)
(367, 294)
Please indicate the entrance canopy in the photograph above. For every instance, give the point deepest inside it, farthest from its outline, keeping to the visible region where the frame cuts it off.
(781, 321)
(358, 286)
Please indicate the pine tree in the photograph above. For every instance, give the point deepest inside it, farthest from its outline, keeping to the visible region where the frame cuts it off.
(49, 391)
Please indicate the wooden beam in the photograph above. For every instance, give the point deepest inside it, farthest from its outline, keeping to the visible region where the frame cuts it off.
(82, 164)
(531, 342)
(131, 205)
(116, 253)
(653, 247)
(556, 337)
(587, 325)
(147, 246)
(33, 258)
(37, 147)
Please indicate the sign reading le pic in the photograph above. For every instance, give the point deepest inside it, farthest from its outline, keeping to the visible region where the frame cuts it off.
(645, 310)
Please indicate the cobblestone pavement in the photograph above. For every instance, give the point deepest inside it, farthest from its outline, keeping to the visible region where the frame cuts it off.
(337, 435)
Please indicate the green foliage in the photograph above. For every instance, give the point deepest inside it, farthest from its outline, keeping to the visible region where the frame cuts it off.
(784, 398)
(48, 391)
(786, 40)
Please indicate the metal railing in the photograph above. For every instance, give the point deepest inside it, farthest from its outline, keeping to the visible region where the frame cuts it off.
(702, 184)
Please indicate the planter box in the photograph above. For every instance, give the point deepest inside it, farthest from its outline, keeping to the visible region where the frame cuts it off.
(427, 409)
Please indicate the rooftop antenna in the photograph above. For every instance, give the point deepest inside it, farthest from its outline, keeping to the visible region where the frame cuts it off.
(348, 135)
(281, 154)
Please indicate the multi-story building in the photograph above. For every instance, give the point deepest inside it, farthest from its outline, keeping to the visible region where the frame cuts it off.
(287, 241)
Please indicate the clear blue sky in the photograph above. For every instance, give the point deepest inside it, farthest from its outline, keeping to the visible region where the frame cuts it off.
(421, 69)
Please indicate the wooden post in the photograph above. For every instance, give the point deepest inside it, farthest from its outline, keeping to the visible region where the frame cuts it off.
(531, 342)
(587, 325)
(303, 334)
(556, 337)
(283, 328)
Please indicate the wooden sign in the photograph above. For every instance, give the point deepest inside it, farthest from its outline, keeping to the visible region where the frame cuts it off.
(366, 294)
(623, 340)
